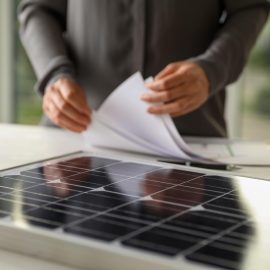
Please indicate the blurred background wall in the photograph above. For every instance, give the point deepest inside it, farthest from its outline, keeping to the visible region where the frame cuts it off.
(248, 103)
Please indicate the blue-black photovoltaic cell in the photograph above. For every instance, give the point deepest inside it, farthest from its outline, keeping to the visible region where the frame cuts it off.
(164, 211)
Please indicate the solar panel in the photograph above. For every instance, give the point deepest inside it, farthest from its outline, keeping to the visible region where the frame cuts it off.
(164, 212)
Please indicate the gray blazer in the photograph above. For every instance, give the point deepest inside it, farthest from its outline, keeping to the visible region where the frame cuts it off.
(102, 42)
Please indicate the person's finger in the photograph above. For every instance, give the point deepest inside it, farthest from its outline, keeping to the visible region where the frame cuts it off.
(164, 96)
(170, 108)
(171, 81)
(186, 108)
(171, 68)
(60, 119)
(74, 96)
(81, 118)
(179, 107)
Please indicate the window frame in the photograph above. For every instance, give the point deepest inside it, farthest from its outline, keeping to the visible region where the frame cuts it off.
(7, 71)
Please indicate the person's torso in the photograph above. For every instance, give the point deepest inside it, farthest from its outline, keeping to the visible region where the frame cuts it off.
(111, 39)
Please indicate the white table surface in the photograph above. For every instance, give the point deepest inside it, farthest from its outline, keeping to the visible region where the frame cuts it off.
(25, 144)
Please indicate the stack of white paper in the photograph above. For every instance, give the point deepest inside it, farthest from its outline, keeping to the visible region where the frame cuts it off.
(122, 122)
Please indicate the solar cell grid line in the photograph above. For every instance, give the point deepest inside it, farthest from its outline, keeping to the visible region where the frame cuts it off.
(213, 238)
(188, 231)
(225, 213)
(23, 178)
(68, 165)
(73, 175)
(106, 211)
(171, 176)
(102, 198)
(174, 172)
(158, 223)
(78, 186)
(153, 181)
(234, 242)
(62, 214)
(45, 215)
(49, 176)
(31, 189)
(226, 204)
(63, 199)
(66, 168)
(22, 188)
(115, 225)
(130, 169)
(217, 188)
(72, 166)
(93, 190)
(43, 191)
(161, 236)
(137, 164)
(30, 200)
(227, 250)
(116, 220)
(128, 218)
(220, 243)
(16, 183)
(5, 190)
(205, 190)
(122, 220)
(38, 216)
(62, 208)
(131, 186)
(244, 230)
(44, 197)
(79, 169)
(147, 210)
(148, 181)
(48, 170)
(161, 240)
(71, 187)
(185, 196)
(6, 204)
(39, 190)
(202, 221)
(92, 179)
(84, 162)
(48, 224)
(220, 217)
(48, 198)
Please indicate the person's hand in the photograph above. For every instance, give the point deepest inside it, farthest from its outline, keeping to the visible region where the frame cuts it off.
(65, 103)
(180, 88)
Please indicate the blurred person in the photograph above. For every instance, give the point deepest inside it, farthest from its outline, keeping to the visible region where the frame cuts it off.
(82, 49)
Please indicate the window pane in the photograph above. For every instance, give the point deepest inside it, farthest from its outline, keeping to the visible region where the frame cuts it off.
(28, 102)
(256, 101)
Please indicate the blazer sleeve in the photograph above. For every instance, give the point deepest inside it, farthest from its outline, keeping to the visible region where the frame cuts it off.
(42, 28)
(226, 57)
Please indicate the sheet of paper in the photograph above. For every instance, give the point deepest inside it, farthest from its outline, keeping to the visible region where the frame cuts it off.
(168, 122)
(100, 135)
(123, 111)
